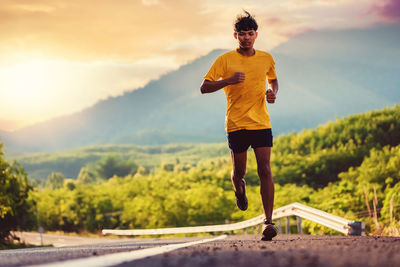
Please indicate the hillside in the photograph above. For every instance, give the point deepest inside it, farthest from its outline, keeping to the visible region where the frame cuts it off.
(319, 154)
(40, 165)
(323, 75)
(336, 167)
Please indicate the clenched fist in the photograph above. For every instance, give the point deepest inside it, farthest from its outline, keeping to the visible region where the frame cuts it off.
(237, 77)
(270, 96)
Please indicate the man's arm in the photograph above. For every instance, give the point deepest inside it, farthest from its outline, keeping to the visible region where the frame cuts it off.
(212, 86)
(271, 93)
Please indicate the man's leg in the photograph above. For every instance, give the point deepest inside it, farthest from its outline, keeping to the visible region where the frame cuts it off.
(239, 161)
(263, 155)
(237, 175)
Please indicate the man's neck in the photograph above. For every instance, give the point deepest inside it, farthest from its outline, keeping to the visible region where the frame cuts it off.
(247, 52)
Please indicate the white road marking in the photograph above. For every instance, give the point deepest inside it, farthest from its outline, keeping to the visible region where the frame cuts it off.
(119, 258)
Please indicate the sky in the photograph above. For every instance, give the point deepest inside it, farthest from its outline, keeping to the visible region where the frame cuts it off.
(58, 57)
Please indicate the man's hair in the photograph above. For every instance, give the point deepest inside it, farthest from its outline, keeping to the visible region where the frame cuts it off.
(245, 22)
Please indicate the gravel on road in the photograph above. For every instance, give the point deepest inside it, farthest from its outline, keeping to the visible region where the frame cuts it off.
(284, 250)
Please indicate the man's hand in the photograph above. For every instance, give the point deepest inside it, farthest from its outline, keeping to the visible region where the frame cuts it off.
(212, 86)
(270, 96)
(237, 77)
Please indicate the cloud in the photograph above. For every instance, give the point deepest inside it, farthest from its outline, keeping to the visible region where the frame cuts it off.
(126, 31)
(274, 21)
(150, 2)
(389, 10)
(79, 30)
(108, 46)
(297, 31)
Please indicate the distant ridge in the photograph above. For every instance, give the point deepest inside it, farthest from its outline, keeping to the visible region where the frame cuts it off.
(331, 142)
(322, 75)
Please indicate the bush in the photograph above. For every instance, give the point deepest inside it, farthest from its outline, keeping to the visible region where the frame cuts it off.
(14, 206)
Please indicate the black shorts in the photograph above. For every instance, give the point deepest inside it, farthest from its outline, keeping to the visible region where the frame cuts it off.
(240, 141)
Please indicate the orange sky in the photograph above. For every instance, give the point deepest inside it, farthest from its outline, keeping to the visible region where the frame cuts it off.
(60, 56)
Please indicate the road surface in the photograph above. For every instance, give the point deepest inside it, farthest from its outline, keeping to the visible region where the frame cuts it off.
(285, 250)
(242, 251)
(55, 240)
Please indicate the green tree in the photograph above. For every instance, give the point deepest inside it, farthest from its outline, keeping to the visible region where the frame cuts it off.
(70, 184)
(112, 165)
(55, 180)
(14, 205)
(329, 168)
(85, 176)
(142, 170)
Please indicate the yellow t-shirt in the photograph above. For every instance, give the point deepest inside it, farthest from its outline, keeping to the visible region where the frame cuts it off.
(246, 107)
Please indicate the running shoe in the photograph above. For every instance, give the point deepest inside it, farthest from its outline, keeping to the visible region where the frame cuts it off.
(269, 232)
(241, 199)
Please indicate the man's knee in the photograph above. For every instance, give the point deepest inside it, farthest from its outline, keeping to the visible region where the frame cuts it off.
(264, 170)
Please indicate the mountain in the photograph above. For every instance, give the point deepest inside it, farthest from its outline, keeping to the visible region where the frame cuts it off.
(322, 75)
(334, 146)
(325, 74)
(168, 110)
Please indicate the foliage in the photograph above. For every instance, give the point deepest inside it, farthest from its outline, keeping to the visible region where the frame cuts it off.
(55, 180)
(70, 163)
(316, 157)
(380, 171)
(85, 176)
(112, 165)
(14, 206)
(329, 168)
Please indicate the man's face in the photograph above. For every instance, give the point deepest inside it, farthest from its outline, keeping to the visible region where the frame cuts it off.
(246, 38)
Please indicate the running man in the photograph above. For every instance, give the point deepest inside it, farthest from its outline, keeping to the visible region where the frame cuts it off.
(243, 73)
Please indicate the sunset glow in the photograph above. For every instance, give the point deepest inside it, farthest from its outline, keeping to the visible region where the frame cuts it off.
(58, 57)
(29, 81)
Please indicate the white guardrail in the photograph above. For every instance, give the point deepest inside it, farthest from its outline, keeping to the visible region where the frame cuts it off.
(295, 209)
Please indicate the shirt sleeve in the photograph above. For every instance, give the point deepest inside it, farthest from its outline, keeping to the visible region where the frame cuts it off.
(271, 72)
(216, 71)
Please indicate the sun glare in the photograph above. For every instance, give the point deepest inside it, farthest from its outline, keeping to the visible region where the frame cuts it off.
(37, 90)
(29, 89)
(27, 82)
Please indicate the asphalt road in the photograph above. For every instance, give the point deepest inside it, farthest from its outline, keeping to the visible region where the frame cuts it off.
(244, 250)
(55, 240)
(285, 250)
(69, 248)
